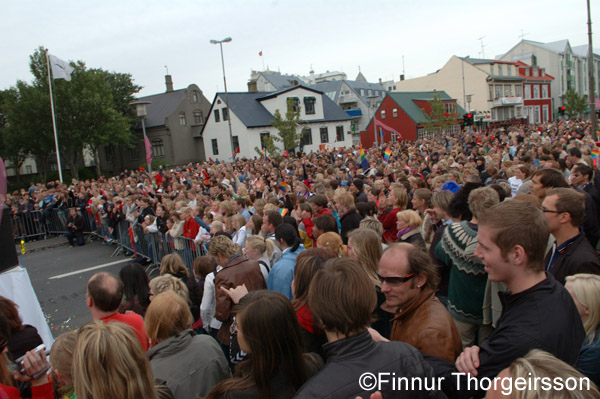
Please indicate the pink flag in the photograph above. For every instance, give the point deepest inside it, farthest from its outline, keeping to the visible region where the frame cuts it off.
(148, 152)
(383, 125)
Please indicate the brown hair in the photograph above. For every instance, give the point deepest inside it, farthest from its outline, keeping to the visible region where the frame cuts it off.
(308, 263)
(167, 315)
(518, 223)
(551, 178)
(342, 297)
(222, 245)
(202, 266)
(366, 245)
(569, 201)
(332, 241)
(401, 198)
(482, 199)
(419, 262)
(9, 309)
(173, 264)
(61, 359)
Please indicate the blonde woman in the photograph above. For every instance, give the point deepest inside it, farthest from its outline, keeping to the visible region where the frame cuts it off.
(238, 232)
(538, 366)
(167, 282)
(260, 249)
(109, 362)
(585, 290)
(364, 246)
(409, 228)
(190, 364)
(61, 360)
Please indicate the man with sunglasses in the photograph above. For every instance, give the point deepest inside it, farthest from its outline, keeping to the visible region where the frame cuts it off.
(564, 209)
(409, 280)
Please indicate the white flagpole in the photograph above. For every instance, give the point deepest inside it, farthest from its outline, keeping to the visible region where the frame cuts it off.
(54, 120)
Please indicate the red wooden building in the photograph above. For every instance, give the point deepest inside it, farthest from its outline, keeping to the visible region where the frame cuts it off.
(400, 117)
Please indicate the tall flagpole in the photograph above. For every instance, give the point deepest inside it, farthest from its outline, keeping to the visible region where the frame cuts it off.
(54, 120)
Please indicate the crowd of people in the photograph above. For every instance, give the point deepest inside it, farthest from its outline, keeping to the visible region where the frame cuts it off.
(445, 263)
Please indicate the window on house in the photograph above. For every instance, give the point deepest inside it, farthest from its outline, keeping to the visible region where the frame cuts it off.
(498, 93)
(28, 169)
(158, 148)
(545, 113)
(536, 91)
(383, 114)
(395, 113)
(225, 112)
(134, 153)
(339, 133)
(370, 92)
(236, 143)
(507, 91)
(263, 138)
(491, 88)
(309, 105)
(198, 117)
(500, 71)
(527, 91)
(217, 116)
(545, 93)
(306, 137)
(295, 104)
(519, 91)
(324, 135)
(194, 96)
(182, 121)
(362, 92)
(215, 146)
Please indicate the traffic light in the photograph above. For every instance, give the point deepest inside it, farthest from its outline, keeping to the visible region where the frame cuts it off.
(562, 110)
(468, 119)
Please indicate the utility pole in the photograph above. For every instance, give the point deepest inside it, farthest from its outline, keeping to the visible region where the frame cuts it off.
(591, 79)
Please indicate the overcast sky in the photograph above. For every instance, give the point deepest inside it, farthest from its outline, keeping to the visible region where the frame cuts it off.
(141, 37)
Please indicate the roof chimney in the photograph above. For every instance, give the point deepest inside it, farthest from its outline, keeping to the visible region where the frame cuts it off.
(169, 83)
(402, 77)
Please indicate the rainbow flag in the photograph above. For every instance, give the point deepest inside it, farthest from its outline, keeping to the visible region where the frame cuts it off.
(363, 158)
(387, 153)
(283, 211)
(579, 142)
(264, 152)
(284, 187)
(595, 153)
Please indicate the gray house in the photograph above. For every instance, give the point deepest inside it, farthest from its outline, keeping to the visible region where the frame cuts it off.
(174, 123)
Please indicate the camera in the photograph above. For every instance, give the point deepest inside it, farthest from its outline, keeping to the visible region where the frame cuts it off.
(19, 361)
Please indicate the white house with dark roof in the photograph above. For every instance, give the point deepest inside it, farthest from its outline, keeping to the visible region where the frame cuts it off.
(251, 115)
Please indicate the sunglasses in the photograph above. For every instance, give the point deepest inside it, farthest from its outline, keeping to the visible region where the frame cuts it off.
(395, 280)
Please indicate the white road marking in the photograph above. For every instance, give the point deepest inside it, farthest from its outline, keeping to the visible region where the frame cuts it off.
(88, 269)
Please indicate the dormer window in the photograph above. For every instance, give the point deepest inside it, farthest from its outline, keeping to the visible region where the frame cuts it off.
(309, 105)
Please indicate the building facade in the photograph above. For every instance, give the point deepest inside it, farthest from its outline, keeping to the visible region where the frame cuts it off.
(173, 125)
(568, 65)
(325, 124)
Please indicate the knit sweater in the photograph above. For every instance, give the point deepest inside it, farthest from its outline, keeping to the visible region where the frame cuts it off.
(468, 277)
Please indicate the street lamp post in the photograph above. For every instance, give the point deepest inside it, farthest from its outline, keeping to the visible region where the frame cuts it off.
(220, 43)
(140, 109)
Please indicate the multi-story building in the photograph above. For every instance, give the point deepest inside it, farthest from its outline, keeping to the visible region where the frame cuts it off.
(568, 65)
(324, 123)
(173, 124)
(491, 89)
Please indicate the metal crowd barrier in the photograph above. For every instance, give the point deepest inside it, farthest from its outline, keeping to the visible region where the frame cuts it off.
(130, 239)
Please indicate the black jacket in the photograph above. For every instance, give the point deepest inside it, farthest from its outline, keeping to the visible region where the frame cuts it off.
(541, 317)
(348, 359)
(349, 221)
(579, 257)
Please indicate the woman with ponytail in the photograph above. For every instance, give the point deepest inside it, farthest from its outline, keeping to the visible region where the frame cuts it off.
(282, 274)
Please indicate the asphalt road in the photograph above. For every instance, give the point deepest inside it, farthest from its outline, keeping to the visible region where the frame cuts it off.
(62, 296)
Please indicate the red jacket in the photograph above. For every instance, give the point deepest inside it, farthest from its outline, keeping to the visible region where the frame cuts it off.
(190, 228)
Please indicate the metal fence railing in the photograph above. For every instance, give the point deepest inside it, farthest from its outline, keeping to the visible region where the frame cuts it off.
(130, 239)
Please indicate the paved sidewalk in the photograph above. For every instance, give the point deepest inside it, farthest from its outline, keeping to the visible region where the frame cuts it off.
(40, 245)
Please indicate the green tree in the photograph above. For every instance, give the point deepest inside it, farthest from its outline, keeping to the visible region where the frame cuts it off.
(91, 110)
(287, 129)
(438, 120)
(575, 104)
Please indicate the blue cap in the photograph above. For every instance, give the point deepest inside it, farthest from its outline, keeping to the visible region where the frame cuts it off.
(451, 186)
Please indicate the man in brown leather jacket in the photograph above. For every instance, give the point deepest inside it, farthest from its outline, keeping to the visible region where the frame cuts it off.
(409, 280)
(237, 270)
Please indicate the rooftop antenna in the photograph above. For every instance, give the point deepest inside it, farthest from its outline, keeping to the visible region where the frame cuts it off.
(167, 69)
(403, 65)
(522, 35)
(482, 46)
